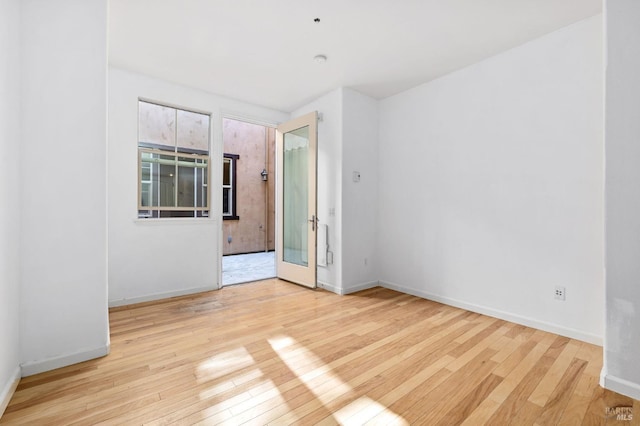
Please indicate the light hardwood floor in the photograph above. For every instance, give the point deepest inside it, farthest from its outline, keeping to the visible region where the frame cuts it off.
(275, 353)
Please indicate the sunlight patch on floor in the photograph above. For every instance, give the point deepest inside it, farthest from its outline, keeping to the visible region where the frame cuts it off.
(223, 364)
(364, 409)
(356, 412)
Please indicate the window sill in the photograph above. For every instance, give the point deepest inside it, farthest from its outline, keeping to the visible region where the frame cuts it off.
(230, 217)
(175, 221)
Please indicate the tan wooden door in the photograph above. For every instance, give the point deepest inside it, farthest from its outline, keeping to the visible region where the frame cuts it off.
(296, 211)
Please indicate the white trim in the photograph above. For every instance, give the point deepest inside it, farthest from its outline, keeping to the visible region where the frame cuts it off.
(176, 220)
(330, 287)
(8, 390)
(35, 367)
(622, 386)
(217, 155)
(159, 296)
(603, 373)
(360, 287)
(342, 291)
(507, 316)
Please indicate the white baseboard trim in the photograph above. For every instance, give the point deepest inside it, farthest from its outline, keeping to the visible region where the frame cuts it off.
(35, 367)
(622, 386)
(352, 289)
(330, 287)
(507, 316)
(360, 287)
(158, 296)
(8, 390)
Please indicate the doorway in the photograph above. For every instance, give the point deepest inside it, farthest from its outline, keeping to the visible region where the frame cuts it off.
(248, 202)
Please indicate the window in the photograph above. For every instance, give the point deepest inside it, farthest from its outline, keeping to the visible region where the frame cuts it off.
(229, 205)
(173, 162)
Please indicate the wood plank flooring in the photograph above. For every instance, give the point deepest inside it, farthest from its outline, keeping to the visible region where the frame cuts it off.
(275, 353)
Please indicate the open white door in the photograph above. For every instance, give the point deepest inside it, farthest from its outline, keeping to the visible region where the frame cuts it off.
(296, 160)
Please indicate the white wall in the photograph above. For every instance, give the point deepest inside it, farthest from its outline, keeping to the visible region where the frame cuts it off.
(347, 142)
(152, 259)
(9, 197)
(491, 185)
(329, 181)
(621, 370)
(63, 301)
(359, 199)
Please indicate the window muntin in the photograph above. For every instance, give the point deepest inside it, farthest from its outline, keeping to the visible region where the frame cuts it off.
(173, 162)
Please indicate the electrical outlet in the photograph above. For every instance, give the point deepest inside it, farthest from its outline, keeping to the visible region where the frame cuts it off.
(560, 293)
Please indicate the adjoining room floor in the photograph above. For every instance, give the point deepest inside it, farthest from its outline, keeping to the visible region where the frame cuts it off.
(242, 268)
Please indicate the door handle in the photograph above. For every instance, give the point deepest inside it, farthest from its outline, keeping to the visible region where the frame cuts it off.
(313, 221)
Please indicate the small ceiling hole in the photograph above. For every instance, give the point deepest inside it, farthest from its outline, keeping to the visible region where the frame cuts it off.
(317, 20)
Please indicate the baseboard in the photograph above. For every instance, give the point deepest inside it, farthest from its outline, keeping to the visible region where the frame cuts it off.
(507, 316)
(330, 287)
(352, 289)
(8, 390)
(360, 287)
(159, 296)
(622, 386)
(35, 367)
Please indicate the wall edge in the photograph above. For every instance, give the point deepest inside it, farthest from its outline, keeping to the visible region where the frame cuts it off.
(9, 389)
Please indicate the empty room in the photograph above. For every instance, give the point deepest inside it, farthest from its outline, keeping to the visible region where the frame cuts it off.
(447, 192)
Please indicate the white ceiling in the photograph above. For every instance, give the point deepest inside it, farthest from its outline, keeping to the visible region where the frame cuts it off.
(262, 51)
